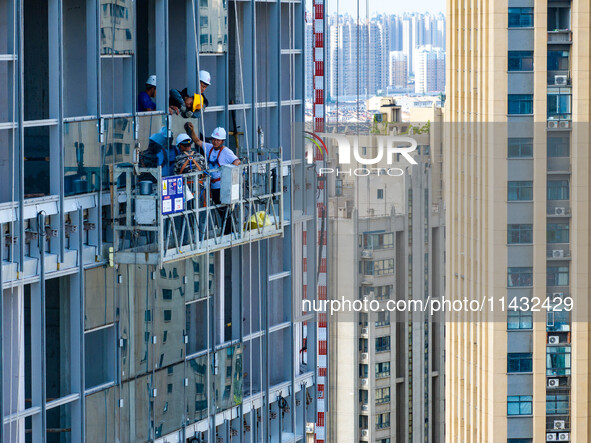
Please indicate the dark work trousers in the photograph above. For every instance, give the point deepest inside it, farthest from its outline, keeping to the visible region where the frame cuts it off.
(215, 198)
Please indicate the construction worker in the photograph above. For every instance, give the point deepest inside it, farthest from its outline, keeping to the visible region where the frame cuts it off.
(204, 82)
(144, 99)
(187, 160)
(216, 155)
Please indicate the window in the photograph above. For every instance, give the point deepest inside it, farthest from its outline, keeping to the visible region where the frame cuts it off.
(519, 405)
(558, 321)
(558, 61)
(521, 17)
(363, 344)
(520, 147)
(559, 105)
(338, 187)
(380, 194)
(379, 292)
(383, 319)
(557, 404)
(558, 360)
(382, 396)
(557, 276)
(520, 104)
(559, 146)
(382, 344)
(520, 191)
(519, 440)
(363, 371)
(382, 240)
(521, 61)
(383, 420)
(167, 294)
(519, 277)
(558, 190)
(101, 362)
(378, 267)
(557, 233)
(383, 369)
(517, 234)
(519, 362)
(167, 315)
(384, 440)
(518, 319)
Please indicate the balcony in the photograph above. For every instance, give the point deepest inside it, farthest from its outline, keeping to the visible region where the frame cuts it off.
(560, 37)
(163, 219)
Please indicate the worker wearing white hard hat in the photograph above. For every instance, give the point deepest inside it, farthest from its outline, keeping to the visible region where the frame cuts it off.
(216, 155)
(144, 99)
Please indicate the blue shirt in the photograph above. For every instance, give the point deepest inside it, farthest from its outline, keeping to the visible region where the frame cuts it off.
(145, 102)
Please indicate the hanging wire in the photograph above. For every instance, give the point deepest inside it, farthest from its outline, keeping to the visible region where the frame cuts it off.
(242, 79)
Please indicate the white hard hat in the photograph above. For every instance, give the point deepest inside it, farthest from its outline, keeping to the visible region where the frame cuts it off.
(182, 138)
(205, 77)
(219, 133)
(151, 80)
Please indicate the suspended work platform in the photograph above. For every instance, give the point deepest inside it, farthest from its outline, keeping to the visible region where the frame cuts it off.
(158, 219)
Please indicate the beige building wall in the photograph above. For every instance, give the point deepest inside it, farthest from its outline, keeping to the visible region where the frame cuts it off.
(476, 175)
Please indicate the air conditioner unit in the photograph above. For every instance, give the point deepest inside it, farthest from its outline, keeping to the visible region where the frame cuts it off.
(366, 253)
(365, 331)
(559, 424)
(551, 436)
(558, 253)
(364, 433)
(309, 428)
(561, 80)
(563, 436)
(564, 124)
(553, 382)
(552, 124)
(365, 408)
(557, 294)
(364, 356)
(559, 211)
(553, 339)
(364, 382)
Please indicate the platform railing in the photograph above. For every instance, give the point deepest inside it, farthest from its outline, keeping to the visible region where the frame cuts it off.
(160, 219)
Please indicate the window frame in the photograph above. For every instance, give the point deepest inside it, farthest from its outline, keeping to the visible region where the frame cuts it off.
(520, 104)
(524, 232)
(524, 276)
(520, 13)
(523, 360)
(520, 190)
(520, 56)
(524, 405)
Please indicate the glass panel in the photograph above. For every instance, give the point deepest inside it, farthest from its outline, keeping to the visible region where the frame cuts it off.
(82, 158)
(116, 27)
(78, 61)
(136, 415)
(59, 424)
(197, 389)
(168, 407)
(169, 314)
(102, 412)
(6, 100)
(36, 60)
(196, 332)
(36, 161)
(98, 292)
(118, 140)
(213, 25)
(57, 333)
(228, 377)
(101, 357)
(116, 85)
(7, 26)
(8, 183)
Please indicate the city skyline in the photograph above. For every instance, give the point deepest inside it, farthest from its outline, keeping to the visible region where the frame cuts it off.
(386, 6)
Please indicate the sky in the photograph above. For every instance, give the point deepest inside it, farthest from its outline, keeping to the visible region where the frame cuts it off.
(386, 6)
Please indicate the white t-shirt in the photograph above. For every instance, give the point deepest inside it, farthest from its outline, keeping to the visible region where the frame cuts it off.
(215, 159)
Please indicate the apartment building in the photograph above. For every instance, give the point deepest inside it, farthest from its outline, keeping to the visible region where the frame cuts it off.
(386, 237)
(132, 310)
(517, 198)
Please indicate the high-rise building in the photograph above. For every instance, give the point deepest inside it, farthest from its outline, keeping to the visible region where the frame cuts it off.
(517, 204)
(430, 70)
(386, 244)
(398, 70)
(133, 309)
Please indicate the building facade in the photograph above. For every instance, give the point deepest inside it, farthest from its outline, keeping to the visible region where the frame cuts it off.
(133, 310)
(398, 70)
(430, 70)
(517, 196)
(386, 245)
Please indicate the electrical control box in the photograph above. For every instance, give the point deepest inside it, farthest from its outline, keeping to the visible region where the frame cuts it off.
(230, 186)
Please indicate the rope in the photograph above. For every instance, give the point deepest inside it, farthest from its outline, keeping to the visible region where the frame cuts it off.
(242, 79)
